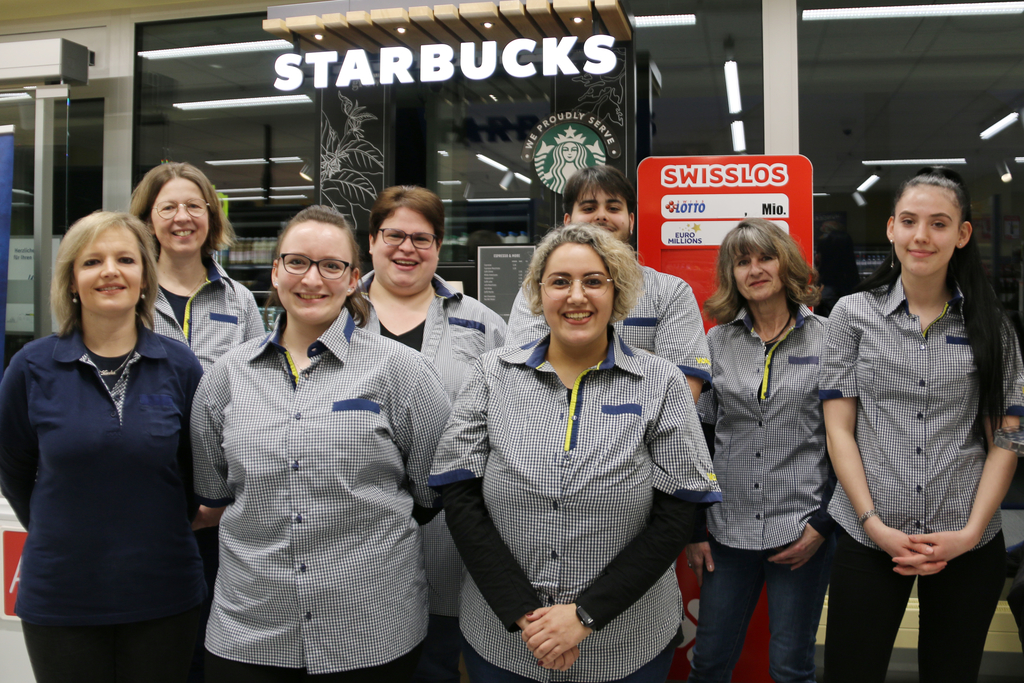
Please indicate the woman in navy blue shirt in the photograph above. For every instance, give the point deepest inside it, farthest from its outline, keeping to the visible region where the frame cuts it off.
(95, 422)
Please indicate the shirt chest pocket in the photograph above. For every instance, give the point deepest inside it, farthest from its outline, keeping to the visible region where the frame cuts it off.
(160, 415)
(359, 435)
(468, 339)
(958, 361)
(619, 437)
(639, 332)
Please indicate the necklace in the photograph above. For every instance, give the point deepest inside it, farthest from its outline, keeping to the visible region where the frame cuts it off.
(117, 371)
(784, 327)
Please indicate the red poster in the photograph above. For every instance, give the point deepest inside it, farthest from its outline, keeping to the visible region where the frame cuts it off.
(686, 205)
(13, 542)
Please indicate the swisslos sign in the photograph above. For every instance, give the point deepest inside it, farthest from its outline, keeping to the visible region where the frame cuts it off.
(437, 62)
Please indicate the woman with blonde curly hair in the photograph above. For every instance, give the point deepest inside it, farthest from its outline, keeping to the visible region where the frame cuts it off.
(546, 443)
(772, 526)
(96, 462)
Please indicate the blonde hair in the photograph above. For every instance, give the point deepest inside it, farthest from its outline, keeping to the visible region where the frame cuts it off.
(758, 236)
(220, 235)
(84, 232)
(626, 274)
(356, 304)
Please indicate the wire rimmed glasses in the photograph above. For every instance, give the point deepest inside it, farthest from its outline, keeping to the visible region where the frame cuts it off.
(194, 208)
(559, 286)
(330, 268)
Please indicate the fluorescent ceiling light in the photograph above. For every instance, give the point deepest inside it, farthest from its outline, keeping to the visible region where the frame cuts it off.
(820, 194)
(9, 96)
(491, 162)
(288, 196)
(524, 178)
(493, 199)
(442, 152)
(960, 9)
(732, 87)
(223, 49)
(242, 199)
(237, 162)
(449, 182)
(286, 160)
(999, 125)
(858, 198)
(739, 138)
(293, 188)
(866, 185)
(238, 189)
(913, 162)
(24, 192)
(1019, 160)
(243, 102)
(659, 20)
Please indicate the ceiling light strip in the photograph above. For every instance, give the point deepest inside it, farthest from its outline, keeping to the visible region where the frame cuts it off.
(999, 125)
(914, 162)
(222, 49)
(244, 102)
(960, 9)
(661, 20)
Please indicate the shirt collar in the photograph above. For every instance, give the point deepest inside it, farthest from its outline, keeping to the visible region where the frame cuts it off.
(213, 270)
(896, 296)
(532, 355)
(747, 319)
(71, 347)
(441, 287)
(335, 339)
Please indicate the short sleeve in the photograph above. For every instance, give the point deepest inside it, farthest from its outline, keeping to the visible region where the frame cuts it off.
(675, 441)
(251, 314)
(1013, 374)
(707, 404)
(419, 424)
(838, 377)
(523, 326)
(680, 335)
(209, 465)
(463, 450)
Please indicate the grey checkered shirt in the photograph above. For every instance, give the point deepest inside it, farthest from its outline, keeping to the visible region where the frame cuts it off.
(458, 330)
(568, 482)
(220, 316)
(665, 321)
(917, 411)
(770, 453)
(321, 562)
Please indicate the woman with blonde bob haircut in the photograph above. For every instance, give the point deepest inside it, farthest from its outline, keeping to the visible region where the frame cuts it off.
(772, 526)
(94, 416)
(546, 443)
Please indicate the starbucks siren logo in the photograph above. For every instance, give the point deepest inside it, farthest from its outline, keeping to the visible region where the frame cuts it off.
(563, 150)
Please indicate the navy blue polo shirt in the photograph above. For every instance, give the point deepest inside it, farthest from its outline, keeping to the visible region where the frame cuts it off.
(102, 480)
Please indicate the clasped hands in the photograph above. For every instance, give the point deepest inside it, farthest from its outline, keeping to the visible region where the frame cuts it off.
(919, 554)
(553, 635)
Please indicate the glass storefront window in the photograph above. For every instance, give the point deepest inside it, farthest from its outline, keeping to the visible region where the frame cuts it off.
(881, 97)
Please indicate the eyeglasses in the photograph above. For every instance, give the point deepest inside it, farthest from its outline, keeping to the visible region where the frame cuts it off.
(330, 268)
(194, 207)
(559, 286)
(394, 237)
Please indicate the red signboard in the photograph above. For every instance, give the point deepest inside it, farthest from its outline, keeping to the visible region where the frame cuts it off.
(686, 205)
(13, 543)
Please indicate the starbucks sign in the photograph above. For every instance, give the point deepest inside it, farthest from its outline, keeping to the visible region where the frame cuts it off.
(562, 144)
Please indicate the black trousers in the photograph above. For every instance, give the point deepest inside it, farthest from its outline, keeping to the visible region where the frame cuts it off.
(153, 651)
(400, 670)
(867, 600)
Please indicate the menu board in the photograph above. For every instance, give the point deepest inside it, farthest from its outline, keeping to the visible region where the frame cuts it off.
(500, 272)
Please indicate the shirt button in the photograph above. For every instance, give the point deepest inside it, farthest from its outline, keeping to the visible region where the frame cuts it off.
(921, 383)
(573, 418)
(922, 347)
(757, 516)
(554, 555)
(298, 416)
(309, 615)
(757, 486)
(759, 423)
(555, 504)
(757, 455)
(917, 524)
(295, 465)
(113, 413)
(302, 568)
(919, 450)
(920, 416)
(919, 489)
(298, 519)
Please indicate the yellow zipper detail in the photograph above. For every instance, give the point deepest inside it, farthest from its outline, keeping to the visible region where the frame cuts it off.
(941, 316)
(572, 407)
(291, 366)
(188, 312)
(768, 364)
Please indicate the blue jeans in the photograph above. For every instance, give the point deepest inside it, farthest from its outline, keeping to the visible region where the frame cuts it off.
(439, 661)
(727, 601)
(482, 671)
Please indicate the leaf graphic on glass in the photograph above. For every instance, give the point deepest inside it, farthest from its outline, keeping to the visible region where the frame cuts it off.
(351, 167)
(605, 94)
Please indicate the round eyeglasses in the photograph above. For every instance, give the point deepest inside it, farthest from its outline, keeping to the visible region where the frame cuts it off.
(194, 207)
(559, 286)
(330, 268)
(421, 240)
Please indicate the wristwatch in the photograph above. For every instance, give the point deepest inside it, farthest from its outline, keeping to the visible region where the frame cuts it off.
(584, 618)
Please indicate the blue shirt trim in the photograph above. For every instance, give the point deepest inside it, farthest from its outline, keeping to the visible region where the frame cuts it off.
(224, 317)
(624, 409)
(471, 324)
(641, 322)
(357, 404)
(698, 496)
(695, 372)
(828, 394)
(436, 481)
(214, 502)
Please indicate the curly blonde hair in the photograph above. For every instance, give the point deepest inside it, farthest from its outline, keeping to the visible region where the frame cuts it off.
(626, 274)
(84, 232)
(758, 236)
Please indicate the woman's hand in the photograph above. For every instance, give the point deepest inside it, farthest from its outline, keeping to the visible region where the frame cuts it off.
(698, 558)
(552, 634)
(800, 551)
(207, 517)
(945, 545)
(912, 558)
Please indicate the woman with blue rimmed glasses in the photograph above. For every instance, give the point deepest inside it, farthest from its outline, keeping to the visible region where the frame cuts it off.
(316, 441)
(411, 304)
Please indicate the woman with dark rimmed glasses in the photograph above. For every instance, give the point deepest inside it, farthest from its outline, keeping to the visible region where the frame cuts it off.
(411, 304)
(316, 441)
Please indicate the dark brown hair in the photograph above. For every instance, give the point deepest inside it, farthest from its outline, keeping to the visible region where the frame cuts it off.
(420, 200)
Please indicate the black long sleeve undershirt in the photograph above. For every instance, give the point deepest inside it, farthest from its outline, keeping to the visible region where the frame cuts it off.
(623, 581)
